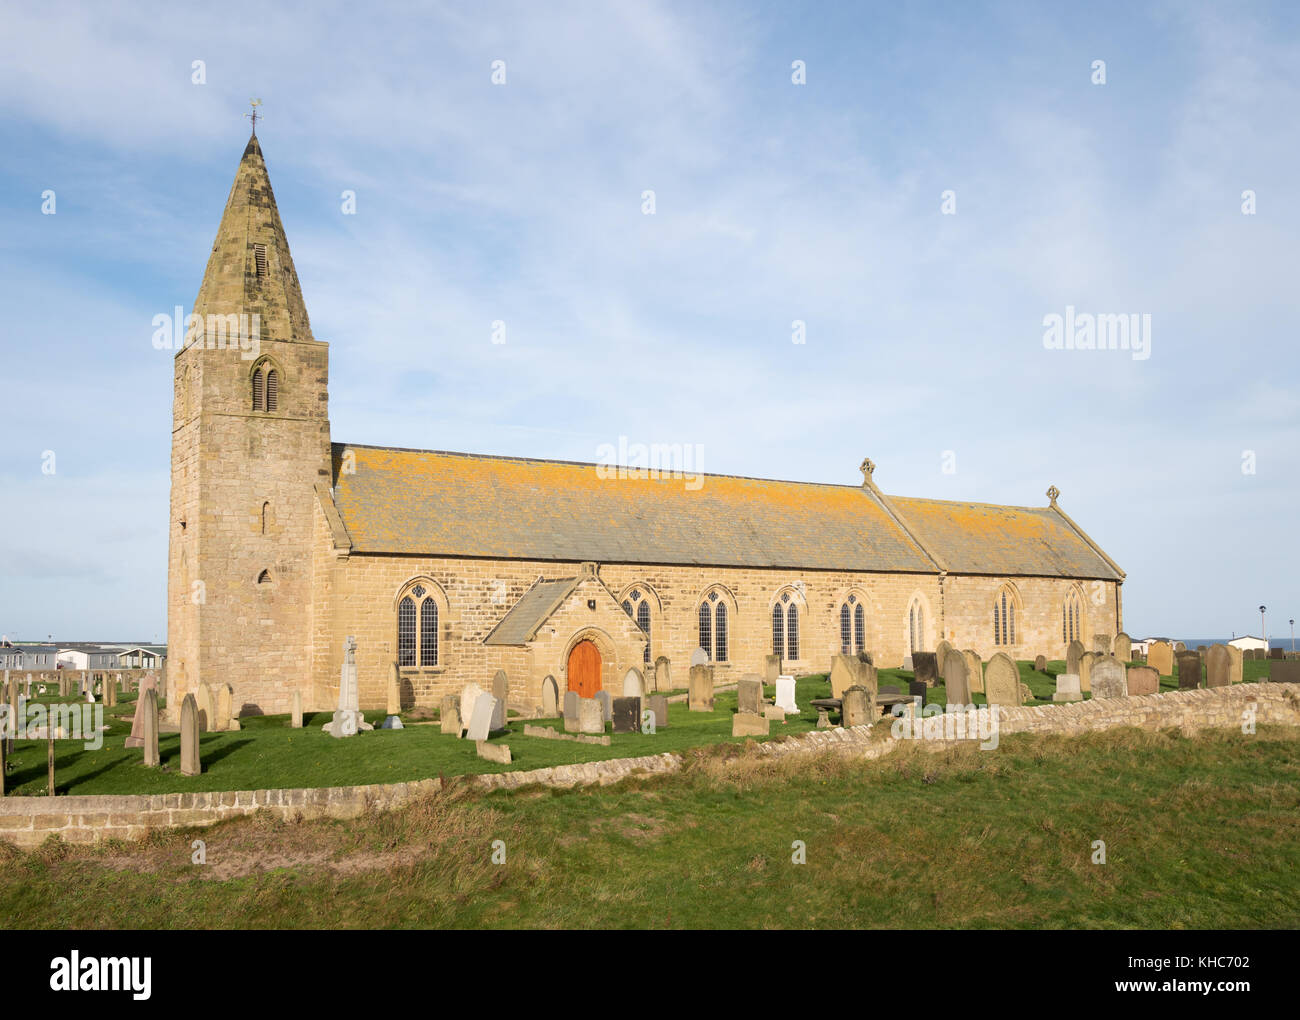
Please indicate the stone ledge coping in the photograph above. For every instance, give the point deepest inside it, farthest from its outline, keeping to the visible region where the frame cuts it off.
(28, 821)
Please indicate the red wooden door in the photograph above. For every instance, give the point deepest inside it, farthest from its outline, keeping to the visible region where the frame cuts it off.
(584, 669)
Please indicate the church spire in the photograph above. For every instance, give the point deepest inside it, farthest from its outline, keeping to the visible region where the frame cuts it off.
(250, 270)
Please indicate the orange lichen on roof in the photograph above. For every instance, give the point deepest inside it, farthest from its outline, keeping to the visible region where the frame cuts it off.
(514, 508)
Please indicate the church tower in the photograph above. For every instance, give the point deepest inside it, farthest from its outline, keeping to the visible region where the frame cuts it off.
(250, 443)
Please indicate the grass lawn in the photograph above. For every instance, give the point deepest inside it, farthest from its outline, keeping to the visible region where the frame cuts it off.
(267, 753)
(1200, 832)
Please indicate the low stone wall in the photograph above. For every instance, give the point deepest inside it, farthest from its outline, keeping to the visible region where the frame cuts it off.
(28, 821)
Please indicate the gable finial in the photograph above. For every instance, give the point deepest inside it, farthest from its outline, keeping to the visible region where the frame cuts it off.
(254, 103)
(867, 467)
(1052, 493)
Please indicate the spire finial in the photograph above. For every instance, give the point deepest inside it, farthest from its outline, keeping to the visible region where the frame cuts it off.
(254, 103)
(1052, 493)
(866, 467)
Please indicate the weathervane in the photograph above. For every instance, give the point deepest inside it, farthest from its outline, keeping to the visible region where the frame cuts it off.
(255, 103)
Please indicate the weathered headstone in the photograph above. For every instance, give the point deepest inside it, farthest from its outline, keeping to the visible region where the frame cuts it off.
(550, 697)
(136, 739)
(1073, 654)
(295, 712)
(1067, 688)
(700, 696)
(190, 764)
(974, 670)
(1189, 670)
(149, 711)
(1235, 674)
(1218, 667)
(501, 686)
(1179, 647)
(1040, 663)
(1108, 679)
(785, 694)
(110, 691)
(480, 717)
(956, 682)
(918, 689)
(663, 674)
(771, 669)
(627, 715)
(659, 707)
(925, 668)
(858, 707)
(699, 657)
(941, 651)
(469, 694)
(571, 700)
(1123, 647)
(1160, 657)
(1277, 652)
(591, 716)
(1142, 680)
(633, 683)
(1086, 661)
(1101, 644)
(747, 724)
(605, 706)
(499, 753)
(203, 705)
(224, 708)
(449, 721)
(1285, 671)
(394, 690)
(498, 714)
(348, 720)
(1002, 681)
(774, 713)
(847, 670)
(749, 694)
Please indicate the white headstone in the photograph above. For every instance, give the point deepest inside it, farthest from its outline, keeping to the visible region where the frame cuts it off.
(480, 720)
(632, 684)
(1067, 688)
(699, 657)
(550, 697)
(785, 694)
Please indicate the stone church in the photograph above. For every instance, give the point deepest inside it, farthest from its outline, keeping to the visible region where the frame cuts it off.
(450, 566)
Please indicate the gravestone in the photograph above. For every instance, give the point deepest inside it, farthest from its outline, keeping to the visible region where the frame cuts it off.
(1040, 664)
(749, 694)
(498, 714)
(785, 694)
(848, 671)
(1142, 680)
(1002, 681)
(190, 764)
(1160, 657)
(110, 691)
(858, 707)
(224, 707)
(295, 713)
(1202, 648)
(747, 724)
(449, 720)
(499, 753)
(571, 700)
(907, 662)
(699, 657)
(1101, 644)
(974, 671)
(627, 715)
(1218, 667)
(480, 717)
(633, 684)
(149, 732)
(956, 683)
(550, 698)
(663, 674)
(1067, 688)
(394, 690)
(469, 694)
(392, 722)
(1123, 647)
(1108, 679)
(501, 686)
(771, 669)
(203, 705)
(700, 696)
(941, 651)
(1073, 654)
(1086, 661)
(925, 668)
(347, 720)
(917, 689)
(1277, 653)
(1284, 671)
(1189, 670)
(1179, 647)
(136, 739)
(1234, 664)
(659, 708)
(591, 716)
(603, 698)
(774, 713)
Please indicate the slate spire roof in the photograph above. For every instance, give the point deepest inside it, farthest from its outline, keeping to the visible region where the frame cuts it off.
(250, 269)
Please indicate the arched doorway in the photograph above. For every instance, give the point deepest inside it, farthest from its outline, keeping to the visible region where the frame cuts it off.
(584, 669)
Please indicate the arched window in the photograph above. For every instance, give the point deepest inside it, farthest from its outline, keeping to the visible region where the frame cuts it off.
(637, 606)
(859, 628)
(259, 390)
(720, 633)
(846, 630)
(1004, 617)
(706, 628)
(778, 630)
(417, 628)
(916, 626)
(713, 627)
(266, 387)
(792, 630)
(272, 390)
(1072, 617)
(264, 577)
(785, 627)
(266, 517)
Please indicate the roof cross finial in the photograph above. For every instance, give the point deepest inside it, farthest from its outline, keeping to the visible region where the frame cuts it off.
(1052, 493)
(254, 103)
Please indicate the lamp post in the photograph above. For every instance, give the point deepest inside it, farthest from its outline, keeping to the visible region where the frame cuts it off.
(1263, 630)
(1293, 637)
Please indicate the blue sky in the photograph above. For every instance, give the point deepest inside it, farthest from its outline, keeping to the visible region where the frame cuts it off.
(775, 202)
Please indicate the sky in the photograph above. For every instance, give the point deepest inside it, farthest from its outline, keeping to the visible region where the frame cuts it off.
(946, 178)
